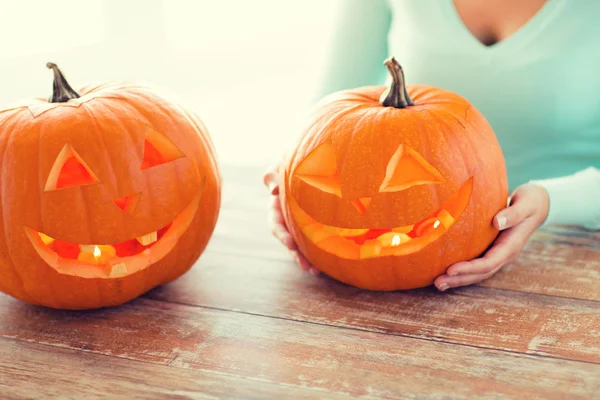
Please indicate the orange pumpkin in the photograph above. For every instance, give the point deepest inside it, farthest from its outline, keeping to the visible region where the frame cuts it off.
(105, 193)
(387, 188)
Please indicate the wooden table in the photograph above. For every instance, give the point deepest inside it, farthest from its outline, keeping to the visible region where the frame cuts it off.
(246, 323)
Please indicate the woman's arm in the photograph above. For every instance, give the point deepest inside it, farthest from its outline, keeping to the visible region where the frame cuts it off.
(574, 199)
(355, 58)
(358, 47)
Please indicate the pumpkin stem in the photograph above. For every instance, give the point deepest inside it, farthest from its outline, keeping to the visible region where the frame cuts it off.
(62, 91)
(396, 95)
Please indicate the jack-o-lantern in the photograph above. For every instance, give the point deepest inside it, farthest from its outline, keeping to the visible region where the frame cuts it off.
(105, 194)
(387, 188)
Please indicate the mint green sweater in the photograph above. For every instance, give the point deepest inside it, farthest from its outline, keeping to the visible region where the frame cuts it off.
(539, 88)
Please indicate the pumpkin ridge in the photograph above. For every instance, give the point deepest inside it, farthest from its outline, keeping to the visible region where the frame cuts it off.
(128, 134)
(6, 141)
(309, 131)
(353, 136)
(14, 108)
(469, 216)
(108, 158)
(451, 115)
(200, 131)
(365, 110)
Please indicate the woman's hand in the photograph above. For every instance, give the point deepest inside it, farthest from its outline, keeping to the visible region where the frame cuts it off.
(278, 226)
(527, 210)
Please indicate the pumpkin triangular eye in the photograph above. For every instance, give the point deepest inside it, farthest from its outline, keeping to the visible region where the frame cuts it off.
(69, 170)
(319, 169)
(158, 149)
(408, 168)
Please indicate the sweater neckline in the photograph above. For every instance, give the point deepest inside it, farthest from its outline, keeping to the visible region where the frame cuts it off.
(522, 36)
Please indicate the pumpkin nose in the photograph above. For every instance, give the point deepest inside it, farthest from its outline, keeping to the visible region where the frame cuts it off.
(361, 204)
(127, 203)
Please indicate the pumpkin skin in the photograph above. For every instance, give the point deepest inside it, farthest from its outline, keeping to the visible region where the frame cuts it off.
(387, 197)
(119, 162)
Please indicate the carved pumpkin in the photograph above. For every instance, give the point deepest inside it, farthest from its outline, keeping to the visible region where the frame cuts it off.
(387, 188)
(105, 194)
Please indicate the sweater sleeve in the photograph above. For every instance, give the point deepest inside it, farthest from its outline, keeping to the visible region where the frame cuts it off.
(358, 46)
(574, 199)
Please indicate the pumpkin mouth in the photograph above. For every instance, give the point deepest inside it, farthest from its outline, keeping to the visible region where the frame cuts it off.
(361, 244)
(116, 259)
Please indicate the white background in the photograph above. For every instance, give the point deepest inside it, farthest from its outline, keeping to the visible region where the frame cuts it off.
(249, 68)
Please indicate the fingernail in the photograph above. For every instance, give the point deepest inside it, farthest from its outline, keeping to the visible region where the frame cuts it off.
(443, 287)
(452, 273)
(314, 272)
(501, 222)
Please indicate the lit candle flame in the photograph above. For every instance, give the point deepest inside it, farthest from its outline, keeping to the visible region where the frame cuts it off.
(396, 240)
(97, 252)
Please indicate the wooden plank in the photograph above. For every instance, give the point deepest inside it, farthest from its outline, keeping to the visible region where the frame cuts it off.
(489, 318)
(34, 371)
(571, 235)
(552, 267)
(320, 357)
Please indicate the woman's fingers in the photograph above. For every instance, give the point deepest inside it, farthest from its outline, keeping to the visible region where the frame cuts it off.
(284, 237)
(527, 209)
(504, 250)
(461, 280)
(275, 213)
(516, 231)
(281, 232)
(270, 180)
(301, 261)
(519, 210)
(304, 264)
(278, 227)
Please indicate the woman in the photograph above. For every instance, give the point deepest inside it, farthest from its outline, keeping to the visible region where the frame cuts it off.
(532, 67)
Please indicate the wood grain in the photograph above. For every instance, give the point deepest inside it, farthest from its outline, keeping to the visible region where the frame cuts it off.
(490, 318)
(556, 262)
(31, 370)
(300, 355)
